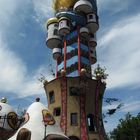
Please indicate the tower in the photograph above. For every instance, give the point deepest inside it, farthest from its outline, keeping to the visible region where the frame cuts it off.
(74, 97)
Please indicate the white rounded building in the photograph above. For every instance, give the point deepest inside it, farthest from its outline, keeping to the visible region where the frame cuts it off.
(64, 26)
(92, 22)
(39, 124)
(53, 39)
(92, 41)
(83, 6)
(8, 120)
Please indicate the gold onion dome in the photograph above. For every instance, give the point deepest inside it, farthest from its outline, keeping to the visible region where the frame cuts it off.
(50, 21)
(63, 4)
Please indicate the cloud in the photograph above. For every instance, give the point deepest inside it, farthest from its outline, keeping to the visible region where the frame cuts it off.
(110, 125)
(114, 6)
(128, 106)
(8, 8)
(14, 75)
(131, 107)
(107, 107)
(12, 69)
(119, 51)
(9, 11)
(43, 9)
(15, 78)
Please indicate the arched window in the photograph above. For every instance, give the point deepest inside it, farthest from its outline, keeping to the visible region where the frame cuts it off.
(55, 32)
(51, 97)
(24, 134)
(55, 137)
(57, 111)
(62, 24)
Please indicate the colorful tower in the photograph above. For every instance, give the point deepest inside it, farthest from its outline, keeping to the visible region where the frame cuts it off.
(74, 97)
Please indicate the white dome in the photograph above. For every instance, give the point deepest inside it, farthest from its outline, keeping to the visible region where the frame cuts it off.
(5, 110)
(35, 123)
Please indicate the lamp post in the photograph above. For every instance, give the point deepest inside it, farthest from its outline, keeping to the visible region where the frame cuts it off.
(45, 131)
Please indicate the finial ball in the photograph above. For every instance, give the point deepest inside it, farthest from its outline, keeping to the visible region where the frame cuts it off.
(63, 72)
(37, 99)
(83, 71)
(4, 100)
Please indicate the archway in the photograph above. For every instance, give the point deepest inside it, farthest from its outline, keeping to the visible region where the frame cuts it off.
(24, 134)
(73, 138)
(55, 137)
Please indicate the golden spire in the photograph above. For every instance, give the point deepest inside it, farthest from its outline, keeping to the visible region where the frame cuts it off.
(63, 4)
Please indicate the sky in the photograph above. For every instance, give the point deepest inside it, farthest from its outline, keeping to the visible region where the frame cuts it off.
(24, 55)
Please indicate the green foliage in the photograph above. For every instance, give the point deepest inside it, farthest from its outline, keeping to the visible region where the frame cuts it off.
(100, 73)
(127, 129)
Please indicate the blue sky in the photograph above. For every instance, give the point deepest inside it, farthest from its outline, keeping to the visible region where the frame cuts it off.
(24, 55)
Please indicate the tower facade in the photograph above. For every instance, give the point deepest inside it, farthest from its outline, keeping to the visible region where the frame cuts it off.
(74, 98)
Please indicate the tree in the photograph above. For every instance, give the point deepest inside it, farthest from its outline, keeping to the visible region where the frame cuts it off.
(127, 129)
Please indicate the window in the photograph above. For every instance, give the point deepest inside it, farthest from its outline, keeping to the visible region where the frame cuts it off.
(55, 25)
(90, 122)
(90, 16)
(74, 119)
(62, 23)
(74, 91)
(92, 35)
(55, 32)
(57, 111)
(91, 51)
(51, 97)
(68, 23)
(101, 122)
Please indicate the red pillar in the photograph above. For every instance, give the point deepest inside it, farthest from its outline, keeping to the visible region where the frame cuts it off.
(56, 74)
(63, 120)
(65, 55)
(79, 52)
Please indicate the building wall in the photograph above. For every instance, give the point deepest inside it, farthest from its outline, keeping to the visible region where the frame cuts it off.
(54, 86)
(87, 86)
(73, 107)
